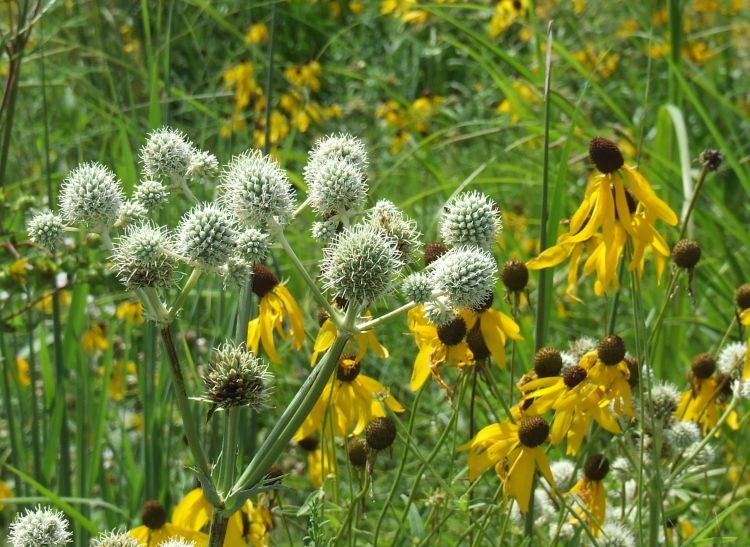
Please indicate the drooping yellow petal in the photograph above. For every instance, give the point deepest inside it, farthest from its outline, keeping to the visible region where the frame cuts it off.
(294, 314)
(421, 368)
(645, 194)
(520, 478)
(551, 256)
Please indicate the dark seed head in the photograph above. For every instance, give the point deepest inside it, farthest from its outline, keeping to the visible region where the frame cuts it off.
(533, 431)
(686, 253)
(742, 296)
(547, 362)
(348, 368)
(309, 444)
(380, 433)
(485, 304)
(322, 317)
(476, 343)
(515, 275)
(605, 155)
(275, 474)
(596, 467)
(611, 350)
(357, 450)
(153, 515)
(574, 376)
(264, 280)
(633, 369)
(712, 158)
(703, 365)
(452, 332)
(724, 382)
(433, 251)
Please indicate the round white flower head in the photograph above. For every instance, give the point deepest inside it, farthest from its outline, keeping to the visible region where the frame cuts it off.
(471, 218)
(202, 165)
(131, 210)
(335, 185)
(439, 311)
(563, 471)
(206, 235)
(360, 264)
(567, 532)
(166, 154)
(143, 257)
(621, 469)
(91, 194)
(397, 226)
(235, 378)
(568, 359)
(731, 358)
(615, 535)
(252, 245)
(705, 455)
(663, 401)
(115, 539)
(325, 231)
(742, 388)
(417, 287)
(683, 434)
(465, 275)
(177, 542)
(342, 145)
(237, 272)
(150, 193)
(581, 346)
(46, 229)
(255, 189)
(40, 527)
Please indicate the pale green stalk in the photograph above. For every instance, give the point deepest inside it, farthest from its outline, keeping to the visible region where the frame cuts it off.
(367, 325)
(184, 293)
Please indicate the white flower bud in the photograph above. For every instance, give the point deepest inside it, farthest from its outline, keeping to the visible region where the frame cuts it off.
(325, 231)
(563, 471)
(152, 194)
(471, 218)
(417, 287)
(46, 229)
(92, 195)
(344, 146)
(731, 358)
(465, 275)
(237, 272)
(235, 378)
(115, 539)
(334, 185)
(615, 535)
(683, 434)
(664, 399)
(396, 226)
(143, 257)
(131, 210)
(166, 154)
(439, 311)
(40, 527)
(206, 235)
(203, 165)
(177, 542)
(252, 245)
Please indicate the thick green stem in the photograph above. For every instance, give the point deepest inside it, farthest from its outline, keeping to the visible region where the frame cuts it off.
(187, 288)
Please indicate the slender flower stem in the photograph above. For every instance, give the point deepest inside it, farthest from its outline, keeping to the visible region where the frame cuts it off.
(693, 200)
(662, 312)
(302, 207)
(184, 293)
(182, 185)
(367, 325)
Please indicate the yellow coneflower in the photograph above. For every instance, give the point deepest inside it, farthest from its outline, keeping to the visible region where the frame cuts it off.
(607, 368)
(351, 398)
(494, 327)
(23, 371)
(131, 312)
(364, 341)
(5, 493)
(514, 449)
(276, 303)
(155, 528)
(437, 344)
(610, 213)
(590, 489)
(320, 459)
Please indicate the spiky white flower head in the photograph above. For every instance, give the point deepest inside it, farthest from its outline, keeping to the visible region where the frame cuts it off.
(131, 210)
(46, 229)
(235, 378)
(342, 145)
(202, 165)
(742, 388)
(252, 245)
(465, 275)
(683, 434)
(731, 358)
(360, 265)
(397, 226)
(143, 257)
(150, 193)
(40, 527)
(563, 471)
(439, 311)
(115, 539)
(621, 469)
(615, 535)
(663, 401)
(417, 287)
(92, 194)
(177, 542)
(206, 235)
(166, 154)
(335, 185)
(582, 346)
(567, 532)
(471, 218)
(543, 509)
(704, 455)
(255, 189)
(568, 359)
(237, 272)
(325, 231)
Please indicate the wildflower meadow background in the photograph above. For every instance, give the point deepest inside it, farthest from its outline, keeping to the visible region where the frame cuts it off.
(377, 272)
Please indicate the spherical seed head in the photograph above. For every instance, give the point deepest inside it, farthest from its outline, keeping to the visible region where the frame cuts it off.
(166, 154)
(533, 431)
(686, 253)
(46, 229)
(91, 195)
(153, 515)
(143, 257)
(547, 362)
(515, 275)
(683, 434)
(237, 272)
(380, 433)
(563, 471)
(39, 527)
(703, 365)
(255, 189)
(439, 311)
(202, 165)
(596, 467)
(309, 444)
(417, 287)
(616, 535)
(452, 332)
(742, 296)
(633, 369)
(731, 358)
(348, 368)
(334, 185)
(131, 210)
(264, 280)
(471, 218)
(664, 400)
(206, 235)
(343, 146)
(465, 275)
(396, 226)
(605, 155)
(712, 158)
(115, 539)
(177, 542)
(360, 265)
(252, 245)
(357, 451)
(581, 346)
(574, 376)
(151, 194)
(611, 350)
(433, 251)
(325, 231)
(477, 345)
(236, 378)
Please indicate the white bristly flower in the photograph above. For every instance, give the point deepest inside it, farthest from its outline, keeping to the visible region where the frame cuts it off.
(731, 358)
(324, 231)
(40, 527)
(394, 223)
(206, 235)
(144, 257)
(252, 245)
(166, 154)
(465, 275)
(664, 399)
(92, 195)
(417, 287)
(202, 165)
(115, 539)
(131, 210)
(581, 346)
(177, 542)
(235, 378)
(439, 311)
(335, 185)
(683, 434)
(471, 218)
(342, 145)
(237, 272)
(563, 471)
(150, 193)
(46, 229)
(615, 535)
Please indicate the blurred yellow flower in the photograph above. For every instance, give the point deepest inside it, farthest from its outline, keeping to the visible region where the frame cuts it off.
(257, 34)
(603, 62)
(18, 269)
(364, 341)
(45, 303)
(94, 338)
(5, 492)
(22, 369)
(304, 76)
(506, 13)
(527, 97)
(132, 312)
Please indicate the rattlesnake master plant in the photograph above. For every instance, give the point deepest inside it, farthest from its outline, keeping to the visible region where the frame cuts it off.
(471, 218)
(207, 235)
(46, 229)
(115, 539)
(40, 527)
(145, 257)
(167, 154)
(91, 195)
